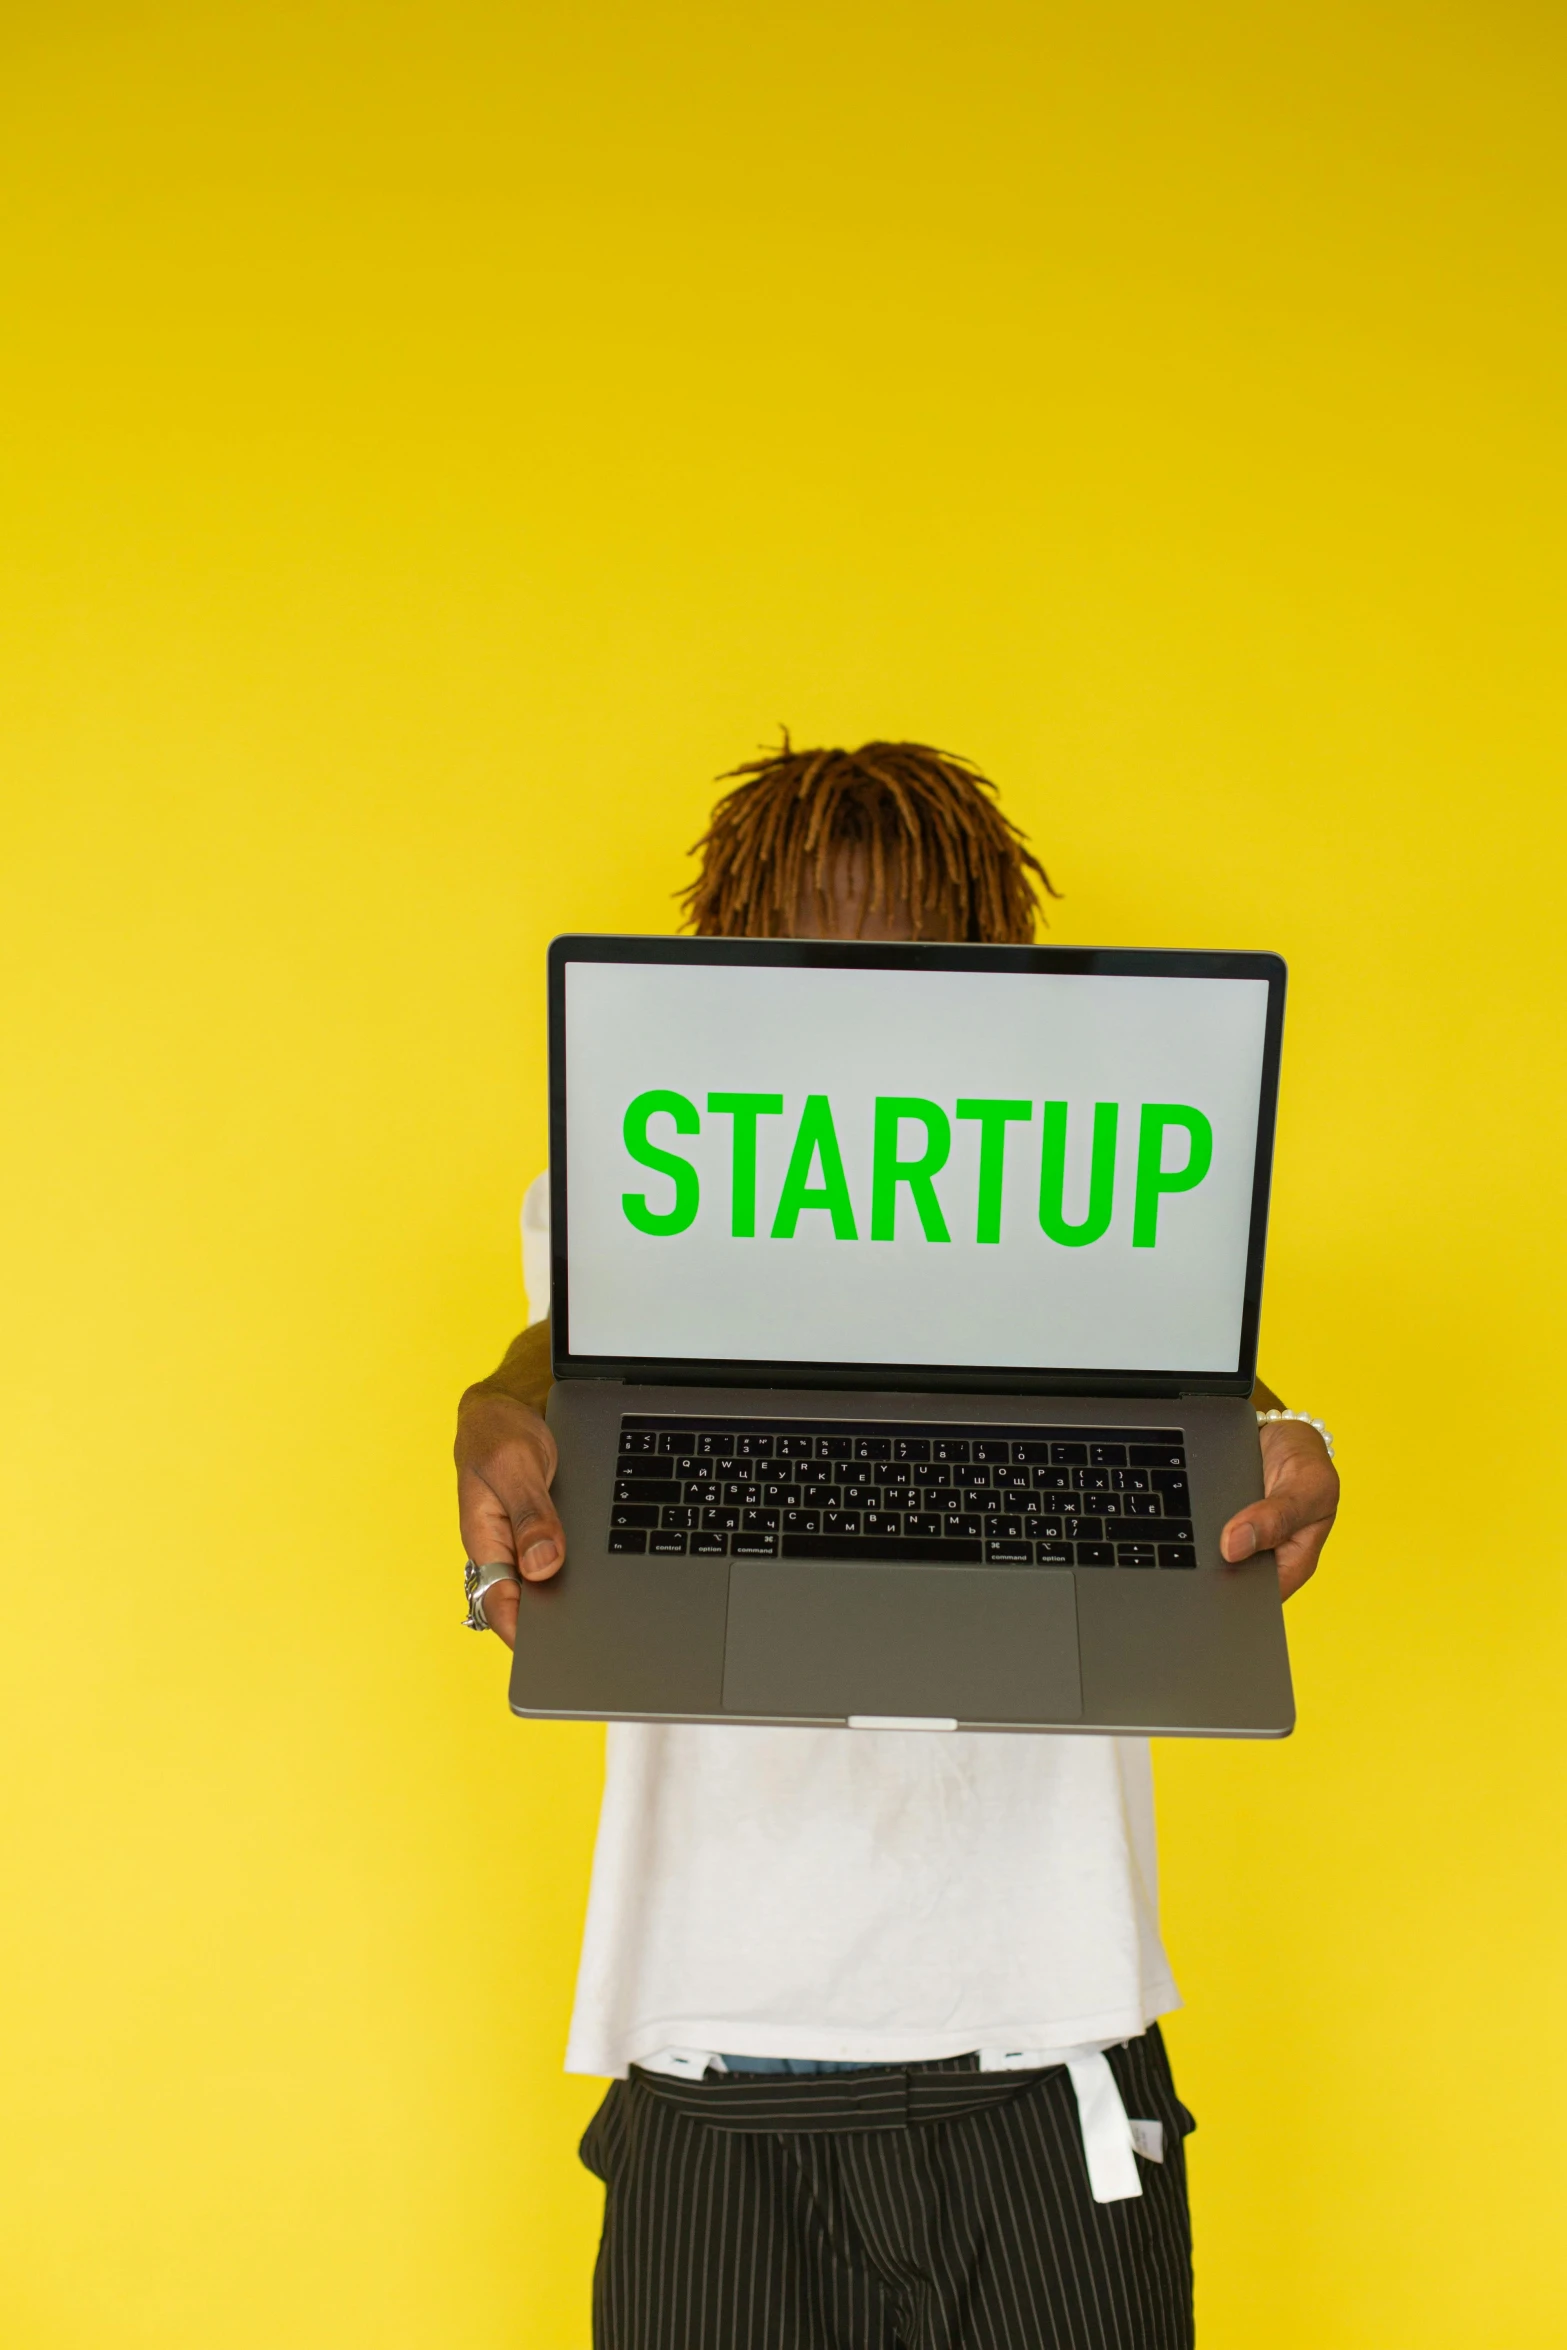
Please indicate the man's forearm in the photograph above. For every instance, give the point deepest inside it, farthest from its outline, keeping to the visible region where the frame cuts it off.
(523, 1372)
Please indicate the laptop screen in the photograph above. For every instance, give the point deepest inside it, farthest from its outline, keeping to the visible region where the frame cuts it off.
(902, 1162)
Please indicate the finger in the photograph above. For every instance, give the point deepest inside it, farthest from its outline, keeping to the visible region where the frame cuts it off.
(501, 1603)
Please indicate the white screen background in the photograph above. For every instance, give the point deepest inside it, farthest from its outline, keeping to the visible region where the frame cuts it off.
(1024, 1303)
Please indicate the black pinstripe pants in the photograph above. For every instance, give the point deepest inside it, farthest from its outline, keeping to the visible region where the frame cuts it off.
(931, 2207)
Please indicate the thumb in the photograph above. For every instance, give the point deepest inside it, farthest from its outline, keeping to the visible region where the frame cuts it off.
(538, 1538)
(1262, 1525)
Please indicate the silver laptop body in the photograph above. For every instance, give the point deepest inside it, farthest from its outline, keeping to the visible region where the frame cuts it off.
(904, 1315)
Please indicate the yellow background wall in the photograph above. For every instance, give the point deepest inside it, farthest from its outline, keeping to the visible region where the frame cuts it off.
(437, 439)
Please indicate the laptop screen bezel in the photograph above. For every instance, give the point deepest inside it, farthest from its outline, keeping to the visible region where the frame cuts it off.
(854, 954)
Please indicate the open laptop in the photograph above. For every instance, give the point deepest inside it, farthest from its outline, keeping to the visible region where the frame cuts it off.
(904, 1307)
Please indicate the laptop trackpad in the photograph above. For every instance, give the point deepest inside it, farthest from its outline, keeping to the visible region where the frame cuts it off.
(974, 1644)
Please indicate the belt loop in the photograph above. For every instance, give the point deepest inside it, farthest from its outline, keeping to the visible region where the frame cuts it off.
(1107, 2134)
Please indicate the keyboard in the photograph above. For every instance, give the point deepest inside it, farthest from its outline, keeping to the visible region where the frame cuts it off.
(841, 1489)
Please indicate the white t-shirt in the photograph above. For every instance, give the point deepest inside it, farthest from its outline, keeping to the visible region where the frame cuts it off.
(868, 1895)
(862, 1895)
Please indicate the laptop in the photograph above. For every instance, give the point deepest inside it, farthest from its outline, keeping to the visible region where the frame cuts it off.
(904, 1318)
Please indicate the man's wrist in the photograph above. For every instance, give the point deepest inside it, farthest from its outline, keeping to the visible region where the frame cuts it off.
(487, 1416)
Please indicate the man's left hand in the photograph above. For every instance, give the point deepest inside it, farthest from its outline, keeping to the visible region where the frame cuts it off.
(1295, 1518)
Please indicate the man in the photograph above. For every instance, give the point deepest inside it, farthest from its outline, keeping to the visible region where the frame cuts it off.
(881, 2007)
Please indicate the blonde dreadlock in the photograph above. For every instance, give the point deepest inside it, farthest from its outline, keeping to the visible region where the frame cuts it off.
(924, 822)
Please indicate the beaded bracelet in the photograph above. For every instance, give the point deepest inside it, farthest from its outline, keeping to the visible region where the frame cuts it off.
(1326, 1434)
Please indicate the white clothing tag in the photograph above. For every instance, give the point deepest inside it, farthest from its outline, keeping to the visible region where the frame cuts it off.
(1147, 2137)
(1107, 2134)
(681, 2064)
(1020, 2060)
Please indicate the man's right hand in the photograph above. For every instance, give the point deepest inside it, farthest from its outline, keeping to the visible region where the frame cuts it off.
(505, 1462)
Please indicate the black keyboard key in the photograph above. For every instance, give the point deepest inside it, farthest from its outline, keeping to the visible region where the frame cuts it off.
(642, 1514)
(835, 1448)
(715, 1443)
(638, 1440)
(841, 1522)
(873, 1448)
(1052, 1480)
(1089, 1529)
(956, 1524)
(1135, 1554)
(628, 1541)
(754, 1546)
(783, 1497)
(1030, 1448)
(702, 1494)
(1009, 1554)
(814, 1473)
(876, 1522)
(1091, 1480)
(747, 1496)
(1096, 1554)
(911, 1448)
(1069, 1456)
(1131, 1480)
(861, 1497)
(1106, 1456)
(970, 1473)
(733, 1467)
(990, 1501)
(1004, 1529)
(684, 1440)
(708, 1546)
(992, 1448)
(1177, 1554)
(1050, 1528)
(753, 1448)
(1012, 1480)
(921, 1522)
(680, 1519)
(1141, 1505)
(759, 1521)
(802, 1521)
(1175, 1530)
(949, 1448)
(794, 1448)
(1172, 1484)
(666, 1546)
(1067, 1505)
(944, 1552)
(720, 1521)
(1053, 1554)
(895, 1474)
(647, 1489)
(1157, 1456)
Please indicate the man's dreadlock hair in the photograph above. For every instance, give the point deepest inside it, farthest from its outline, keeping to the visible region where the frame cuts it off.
(921, 826)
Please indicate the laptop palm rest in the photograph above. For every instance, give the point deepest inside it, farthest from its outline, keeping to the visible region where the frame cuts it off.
(972, 1644)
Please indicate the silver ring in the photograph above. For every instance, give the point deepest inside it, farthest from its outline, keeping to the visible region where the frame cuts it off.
(476, 1581)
